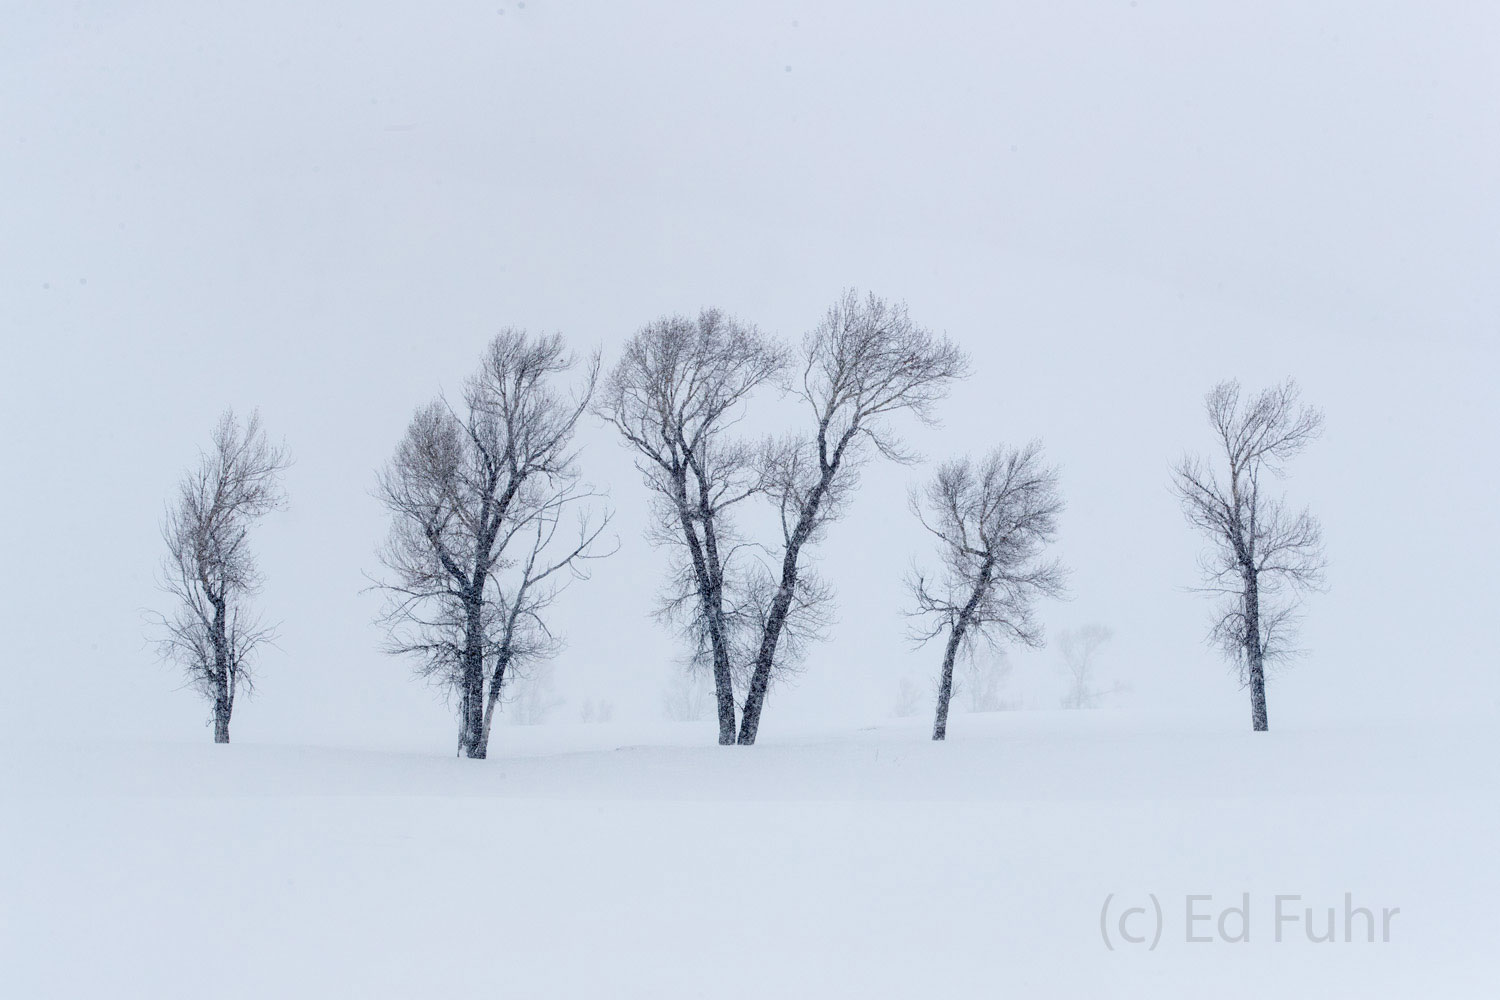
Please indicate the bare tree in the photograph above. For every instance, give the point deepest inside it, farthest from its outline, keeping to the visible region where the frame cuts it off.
(489, 522)
(993, 522)
(674, 396)
(983, 686)
(601, 711)
(531, 699)
(866, 362)
(908, 699)
(209, 568)
(687, 697)
(1263, 554)
(1079, 647)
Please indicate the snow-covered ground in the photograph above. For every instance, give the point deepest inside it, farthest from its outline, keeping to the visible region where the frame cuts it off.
(605, 861)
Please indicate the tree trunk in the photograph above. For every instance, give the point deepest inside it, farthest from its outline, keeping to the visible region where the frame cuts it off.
(708, 577)
(221, 719)
(755, 700)
(1255, 654)
(955, 641)
(945, 685)
(714, 610)
(224, 681)
(472, 701)
(497, 682)
(781, 606)
(1258, 720)
(760, 680)
(724, 697)
(473, 738)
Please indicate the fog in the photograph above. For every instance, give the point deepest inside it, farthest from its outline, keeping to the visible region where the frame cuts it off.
(324, 211)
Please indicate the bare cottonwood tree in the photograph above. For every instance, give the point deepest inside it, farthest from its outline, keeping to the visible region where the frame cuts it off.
(601, 711)
(993, 522)
(1264, 554)
(674, 396)
(866, 362)
(530, 700)
(687, 697)
(1079, 647)
(489, 522)
(209, 569)
(983, 683)
(908, 699)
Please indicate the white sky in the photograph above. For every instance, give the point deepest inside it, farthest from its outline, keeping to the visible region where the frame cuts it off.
(324, 210)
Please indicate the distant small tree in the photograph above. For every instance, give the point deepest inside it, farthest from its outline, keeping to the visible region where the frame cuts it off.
(866, 363)
(983, 686)
(1079, 647)
(210, 571)
(993, 522)
(531, 699)
(1263, 554)
(477, 550)
(601, 711)
(908, 699)
(688, 697)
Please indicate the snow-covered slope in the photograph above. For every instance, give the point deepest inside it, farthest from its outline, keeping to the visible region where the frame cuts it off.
(596, 861)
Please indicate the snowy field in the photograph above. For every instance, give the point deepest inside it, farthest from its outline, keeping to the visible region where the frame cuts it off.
(607, 861)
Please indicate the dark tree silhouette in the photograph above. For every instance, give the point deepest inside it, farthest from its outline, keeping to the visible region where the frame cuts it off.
(213, 634)
(477, 549)
(866, 362)
(1264, 554)
(993, 523)
(674, 396)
